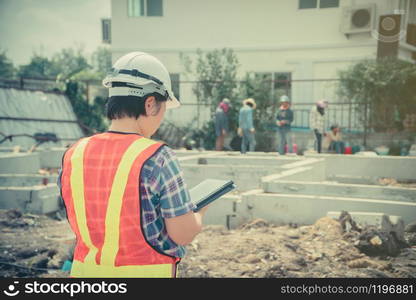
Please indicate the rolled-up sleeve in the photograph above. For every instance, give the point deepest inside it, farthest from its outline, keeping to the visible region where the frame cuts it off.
(174, 196)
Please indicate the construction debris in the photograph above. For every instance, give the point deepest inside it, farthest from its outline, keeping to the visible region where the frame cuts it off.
(256, 249)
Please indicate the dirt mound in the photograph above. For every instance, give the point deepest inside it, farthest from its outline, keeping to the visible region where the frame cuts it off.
(37, 246)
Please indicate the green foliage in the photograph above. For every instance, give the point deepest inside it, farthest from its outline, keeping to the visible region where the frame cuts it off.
(63, 65)
(7, 69)
(89, 115)
(39, 67)
(216, 76)
(387, 87)
(215, 73)
(101, 61)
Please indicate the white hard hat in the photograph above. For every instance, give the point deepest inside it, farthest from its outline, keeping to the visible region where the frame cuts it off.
(139, 74)
(284, 98)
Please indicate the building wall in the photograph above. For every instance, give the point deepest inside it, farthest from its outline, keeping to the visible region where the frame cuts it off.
(267, 36)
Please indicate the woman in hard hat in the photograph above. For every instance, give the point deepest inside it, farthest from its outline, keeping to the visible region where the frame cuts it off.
(125, 195)
(245, 125)
(284, 120)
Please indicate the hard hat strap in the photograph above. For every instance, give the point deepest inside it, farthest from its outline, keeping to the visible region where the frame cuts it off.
(137, 73)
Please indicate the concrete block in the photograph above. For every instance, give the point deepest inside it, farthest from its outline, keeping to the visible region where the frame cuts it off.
(35, 199)
(241, 214)
(19, 163)
(397, 167)
(51, 158)
(325, 188)
(381, 221)
(9, 180)
(245, 177)
(219, 210)
(306, 209)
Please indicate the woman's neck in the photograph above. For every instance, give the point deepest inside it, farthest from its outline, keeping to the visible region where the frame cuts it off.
(127, 125)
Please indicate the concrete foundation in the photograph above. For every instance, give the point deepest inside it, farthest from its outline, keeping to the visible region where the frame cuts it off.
(306, 209)
(345, 190)
(51, 158)
(400, 168)
(303, 189)
(34, 199)
(17, 180)
(19, 163)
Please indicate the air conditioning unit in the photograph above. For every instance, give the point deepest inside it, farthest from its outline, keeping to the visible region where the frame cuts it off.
(358, 19)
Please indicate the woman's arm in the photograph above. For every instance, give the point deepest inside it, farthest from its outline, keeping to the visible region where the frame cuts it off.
(183, 229)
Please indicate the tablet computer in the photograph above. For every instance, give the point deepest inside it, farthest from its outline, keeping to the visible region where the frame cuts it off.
(209, 190)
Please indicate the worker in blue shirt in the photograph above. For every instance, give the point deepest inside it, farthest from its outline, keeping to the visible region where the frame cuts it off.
(246, 127)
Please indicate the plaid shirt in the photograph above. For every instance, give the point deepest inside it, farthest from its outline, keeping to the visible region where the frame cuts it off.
(164, 195)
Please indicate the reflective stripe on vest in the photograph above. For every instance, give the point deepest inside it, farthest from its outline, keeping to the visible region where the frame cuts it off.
(110, 247)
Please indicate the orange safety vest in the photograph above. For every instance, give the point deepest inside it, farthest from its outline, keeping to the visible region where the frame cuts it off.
(100, 188)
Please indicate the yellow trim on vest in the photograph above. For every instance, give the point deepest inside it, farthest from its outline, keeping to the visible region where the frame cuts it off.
(87, 270)
(115, 201)
(77, 188)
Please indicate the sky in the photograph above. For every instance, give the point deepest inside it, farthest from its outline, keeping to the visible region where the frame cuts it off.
(47, 26)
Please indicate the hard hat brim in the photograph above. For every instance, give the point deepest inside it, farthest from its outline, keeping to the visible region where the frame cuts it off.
(172, 101)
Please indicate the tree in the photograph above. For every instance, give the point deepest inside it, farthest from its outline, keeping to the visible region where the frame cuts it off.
(101, 60)
(7, 69)
(39, 67)
(216, 78)
(88, 115)
(70, 61)
(385, 90)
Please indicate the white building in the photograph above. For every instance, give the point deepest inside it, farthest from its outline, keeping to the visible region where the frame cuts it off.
(294, 39)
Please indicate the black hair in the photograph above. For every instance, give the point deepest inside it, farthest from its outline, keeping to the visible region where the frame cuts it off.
(118, 107)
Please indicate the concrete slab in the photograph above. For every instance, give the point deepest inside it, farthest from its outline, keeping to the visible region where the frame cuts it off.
(51, 158)
(306, 209)
(19, 163)
(327, 188)
(219, 211)
(242, 160)
(35, 199)
(397, 167)
(245, 177)
(26, 179)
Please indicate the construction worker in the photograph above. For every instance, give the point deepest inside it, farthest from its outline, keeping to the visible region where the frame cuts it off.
(221, 123)
(246, 127)
(124, 193)
(317, 122)
(284, 120)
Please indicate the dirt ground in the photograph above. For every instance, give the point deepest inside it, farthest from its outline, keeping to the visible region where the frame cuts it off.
(37, 246)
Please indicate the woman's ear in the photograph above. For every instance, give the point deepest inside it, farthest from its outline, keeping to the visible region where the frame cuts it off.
(149, 105)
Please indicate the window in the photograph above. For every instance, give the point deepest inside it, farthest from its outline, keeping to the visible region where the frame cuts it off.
(328, 3)
(305, 4)
(145, 8)
(106, 30)
(175, 81)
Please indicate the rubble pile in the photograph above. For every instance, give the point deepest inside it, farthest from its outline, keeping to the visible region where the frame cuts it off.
(38, 246)
(324, 249)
